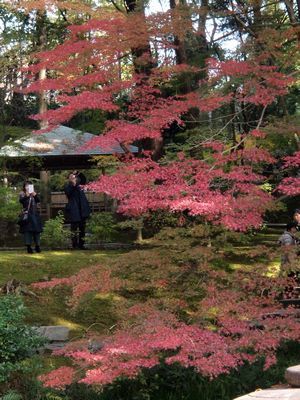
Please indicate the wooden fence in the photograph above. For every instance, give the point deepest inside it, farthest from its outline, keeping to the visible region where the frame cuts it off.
(58, 200)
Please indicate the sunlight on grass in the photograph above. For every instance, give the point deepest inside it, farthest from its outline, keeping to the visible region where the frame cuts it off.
(69, 324)
(273, 269)
(235, 266)
(37, 256)
(108, 296)
(59, 253)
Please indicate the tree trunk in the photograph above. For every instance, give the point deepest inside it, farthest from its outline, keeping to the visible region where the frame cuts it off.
(139, 235)
(41, 31)
(137, 6)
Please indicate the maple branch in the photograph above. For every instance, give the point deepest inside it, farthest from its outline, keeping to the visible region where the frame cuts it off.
(247, 28)
(223, 36)
(261, 117)
(63, 14)
(222, 129)
(117, 7)
(237, 145)
(215, 27)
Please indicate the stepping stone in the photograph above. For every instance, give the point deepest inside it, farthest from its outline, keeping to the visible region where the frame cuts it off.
(292, 375)
(272, 394)
(54, 346)
(57, 333)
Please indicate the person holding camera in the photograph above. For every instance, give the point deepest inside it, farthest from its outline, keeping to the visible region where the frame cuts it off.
(77, 209)
(296, 218)
(289, 243)
(30, 220)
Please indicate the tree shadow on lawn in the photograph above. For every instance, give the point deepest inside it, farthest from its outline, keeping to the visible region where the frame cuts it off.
(50, 307)
(95, 310)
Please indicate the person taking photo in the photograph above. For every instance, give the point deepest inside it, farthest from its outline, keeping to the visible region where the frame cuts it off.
(30, 220)
(78, 208)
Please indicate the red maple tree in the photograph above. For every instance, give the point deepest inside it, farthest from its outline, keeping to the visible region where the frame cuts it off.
(101, 66)
(95, 68)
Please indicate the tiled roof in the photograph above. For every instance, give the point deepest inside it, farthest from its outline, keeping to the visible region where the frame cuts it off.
(58, 142)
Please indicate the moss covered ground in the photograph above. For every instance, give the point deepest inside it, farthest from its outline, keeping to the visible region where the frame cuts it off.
(142, 271)
(143, 274)
(50, 306)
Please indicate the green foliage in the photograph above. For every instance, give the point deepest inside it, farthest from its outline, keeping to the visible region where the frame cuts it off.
(193, 234)
(9, 204)
(92, 121)
(55, 234)
(159, 219)
(281, 138)
(17, 340)
(11, 395)
(57, 181)
(102, 227)
(166, 382)
(136, 224)
(132, 223)
(13, 132)
(107, 163)
(54, 396)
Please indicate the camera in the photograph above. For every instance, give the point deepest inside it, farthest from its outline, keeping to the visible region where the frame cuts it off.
(80, 177)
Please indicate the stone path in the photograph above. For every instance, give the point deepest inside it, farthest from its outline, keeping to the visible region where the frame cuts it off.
(272, 394)
(57, 336)
(292, 376)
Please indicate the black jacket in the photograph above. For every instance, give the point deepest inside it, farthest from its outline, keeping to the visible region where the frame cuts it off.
(34, 220)
(78, 208)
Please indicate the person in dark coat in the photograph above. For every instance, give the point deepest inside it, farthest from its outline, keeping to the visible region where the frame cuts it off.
(33, 227)
(296, 218)
(78, 208)
(288, 242)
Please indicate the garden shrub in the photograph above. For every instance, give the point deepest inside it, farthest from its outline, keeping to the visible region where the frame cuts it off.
(11, 395)
(134, 224)
(165, 382)
(102, 227)
(9, 203)
(159, 219)
(55, 234)
(57, 181)
(18, 341)
(9, 211)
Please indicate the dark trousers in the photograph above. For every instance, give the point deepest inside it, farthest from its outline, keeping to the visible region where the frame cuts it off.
(30, 237)
(78, 233)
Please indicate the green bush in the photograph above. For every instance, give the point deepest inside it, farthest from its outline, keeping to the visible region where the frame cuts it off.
(159, 219)
(11, 395)
(17, 340)
(55, 235)
(9, 204)
(102, 227)
(135, 224)
(57, 181)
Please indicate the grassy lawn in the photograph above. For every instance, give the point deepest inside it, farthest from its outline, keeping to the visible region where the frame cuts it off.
(50, 308)
(31, 268)
(140, 270)
(160, 275)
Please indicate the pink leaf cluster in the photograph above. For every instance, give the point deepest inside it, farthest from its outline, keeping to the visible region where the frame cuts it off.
(236, 322)
(97, 278)
(190, 185)
(291, 184)
(59, 378)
